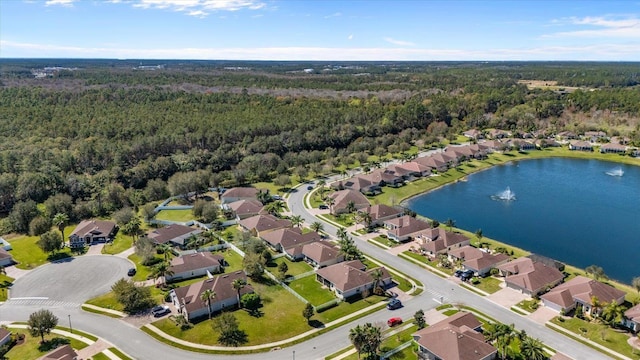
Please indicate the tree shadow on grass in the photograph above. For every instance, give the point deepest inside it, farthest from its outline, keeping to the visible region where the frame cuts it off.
(51, 344)
(316, 324)
(60, 257)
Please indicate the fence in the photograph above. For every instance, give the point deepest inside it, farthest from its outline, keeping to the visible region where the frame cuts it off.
(396, 350)
(300, 276)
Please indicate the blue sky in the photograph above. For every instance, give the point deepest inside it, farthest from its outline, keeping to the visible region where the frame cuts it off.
(322, 30)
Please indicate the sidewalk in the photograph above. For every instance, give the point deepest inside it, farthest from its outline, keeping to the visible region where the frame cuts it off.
(105, 310)
(14, 272)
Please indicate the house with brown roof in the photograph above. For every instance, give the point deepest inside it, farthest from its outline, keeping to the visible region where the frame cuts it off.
(239, 193)
(498, 134)
(494, 145)
(404, 228)
(342, 199)
(262, 224)
(380, 213)
(187, 299)
(580, 146)
(521, 145)
(594, 136)
(439, 241)
(457, 337)
(5, 258)
(567, 135)
(433, 162)
(411, 170)
(631, 319)
(360, 183)
(195, 265)
(290, 241)
(92, 231)
(530, 277)
(174, 235)
(64, 352)
(5, 336)
(385, 177)
(474, 134)
(476, 260)
(245, 208)
(320, 254)
(351, 278)
(581, 290)
(613, 148)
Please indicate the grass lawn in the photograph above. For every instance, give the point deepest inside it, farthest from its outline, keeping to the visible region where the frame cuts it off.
(295, 267)
(488, 284)
(119, 354)
(281, 319)
(29, 349)
(344, 220)
(121, 243)
(423, 259)
(385, 241)
(100, 356)
(233, 258)
(312, 290)
(599, 333)
(175, 215)
(391, 342)
(27, 253)
(345, 308)
(109, 301)
(529, 305)
(5, 282)
(142, 272)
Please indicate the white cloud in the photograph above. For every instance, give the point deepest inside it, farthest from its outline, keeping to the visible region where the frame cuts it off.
(595, 52)
(398, 42)
(599, 27)
(59, 2)
(199, 8)
(338, 14)
(350, 37)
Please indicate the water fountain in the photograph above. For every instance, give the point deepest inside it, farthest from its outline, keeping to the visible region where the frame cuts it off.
(506, 195)
(615, 172)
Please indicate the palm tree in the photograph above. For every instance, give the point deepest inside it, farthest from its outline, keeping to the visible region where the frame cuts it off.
(274, 208)
(478, 234)
(366, 219)
(322, 189)
(450, 223)
(373, 336)
(532, 349)
(264, 197)
(636, 283)
(206, 297)
(60, 220)
(613, 313)
(162, 270)
(296, 220)
(237, 285)
(358, 338)
(166, 250)
(351, 207)
(134, 227)
(342, 233)
(596, 306)
(317, 226)
(330, 201)
(376, 275)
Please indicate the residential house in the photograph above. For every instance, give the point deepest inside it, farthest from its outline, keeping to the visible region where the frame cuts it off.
(188, 301)
(342, 199)
(476, 260)
(622, 140)
(410, 170)
(385, 177)
(290, 241)
(478, 151)
(351, 278)
(174, 235)
(581, 290)
(5, 336)
(437, 163)
(5, 258)
(613, 148)
(262, 224)
(64, 352)
(594, 136)
(494, 145)
(545, 143)
(379, 213)
(92, 231)
(239, 193)
(245, 208)
(530, 277)
(632, 319)
(498, 134)
(320, 254)
(404, 228)
(195, 265)
(439, 241)
(473, 134)
(521, 145)
(567, 135)
(361, 183)
(458, 337)
(580, 146)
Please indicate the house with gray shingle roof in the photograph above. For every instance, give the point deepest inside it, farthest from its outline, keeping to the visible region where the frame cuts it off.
(350, 278)
(581, 290)
(174, 234)
(195, 265)
(320, 254)
(530, 277)
(239, 193)
(404, 228)
(92, 231)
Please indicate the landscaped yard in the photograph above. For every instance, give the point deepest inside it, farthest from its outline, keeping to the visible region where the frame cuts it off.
(312, 290)
(423, 259)
(385, 241)
(175, 215)
(345, 308)
(391, 342)
(28, 254)
(142, 272)
(109, 301)
(529, 305)
(232, 258)
(121, 243)
(344, 220)
(29, 349)
(5, 283)
(488, 284)
(295, 267)
(599, 333)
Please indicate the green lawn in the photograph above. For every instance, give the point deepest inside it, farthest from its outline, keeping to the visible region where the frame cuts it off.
(233, 258)
(29, 349)
(529, 305)
(5, 282)
(119, 354)
(389, 343)
(312, 290)
(142, 272)
(425, 260)
(344, 220)
(488, 284)
(385, 241)
(281, 319)
(599, 333)
(100, 356)
(175, 215)
(27, 253)
(109, 301)
(346, 308)
(295, 267)
(121, 243)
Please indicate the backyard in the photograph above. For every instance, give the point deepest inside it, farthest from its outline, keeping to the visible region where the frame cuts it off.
(309, 288)
(175, 215)
(294, 267)
(30, 348)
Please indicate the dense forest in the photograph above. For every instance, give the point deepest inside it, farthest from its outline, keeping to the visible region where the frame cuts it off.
(88, 137)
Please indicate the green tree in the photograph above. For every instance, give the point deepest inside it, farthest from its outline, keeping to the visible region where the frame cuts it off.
(636, 283)
(166, 250)
(351, 207)
(22, 214)
(596, 272)
(613, 313)
(146, 250)
(282, 180)
(238, 285)
(133, 298)
(296, 220)
(39, 225)
(419, 319)
(230, 334)
(376, 275)
(123, 216)
(317, 226)
(267, 257)
(282, 270)
(50, 242)
(162, 270)
(532, 349)
(251, 302)
(478, 234)
(450, 223)
(253, 265)
(41, 322)
(60, 220)
(207, 296)
(358, 338)
(373, 339)
(308, 312)
(132, 228)
(274, 208)
(330, 201)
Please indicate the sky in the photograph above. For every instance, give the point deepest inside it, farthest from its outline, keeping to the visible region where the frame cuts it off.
(422, 30)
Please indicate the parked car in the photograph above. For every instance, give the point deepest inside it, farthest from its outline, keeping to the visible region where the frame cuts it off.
(323, 207)
(276, 197)
(159, 311)
(309, 187)
(394, 321)
(466, 275)
(131, 272)
(394, 304)
(458, 273)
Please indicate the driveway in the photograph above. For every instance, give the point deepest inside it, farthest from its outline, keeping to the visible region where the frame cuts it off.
(507, 297)
(72, 280)
(542, 315)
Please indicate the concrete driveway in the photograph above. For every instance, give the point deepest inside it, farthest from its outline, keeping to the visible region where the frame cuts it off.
(72, 280)
(507, 297)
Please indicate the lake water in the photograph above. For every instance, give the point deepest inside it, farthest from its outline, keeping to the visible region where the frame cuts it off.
(566, 209)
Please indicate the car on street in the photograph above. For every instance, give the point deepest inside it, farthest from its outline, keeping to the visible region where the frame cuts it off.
(394, 321)
(131, 272)
(309, 187)
(159, 311)
(394, 304)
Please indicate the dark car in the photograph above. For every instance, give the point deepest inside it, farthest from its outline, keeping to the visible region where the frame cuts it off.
(131, 272)
(323, 207)
(394, 304)
(466, 275)
(309, 187)
(458, 273)
(159, 311)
